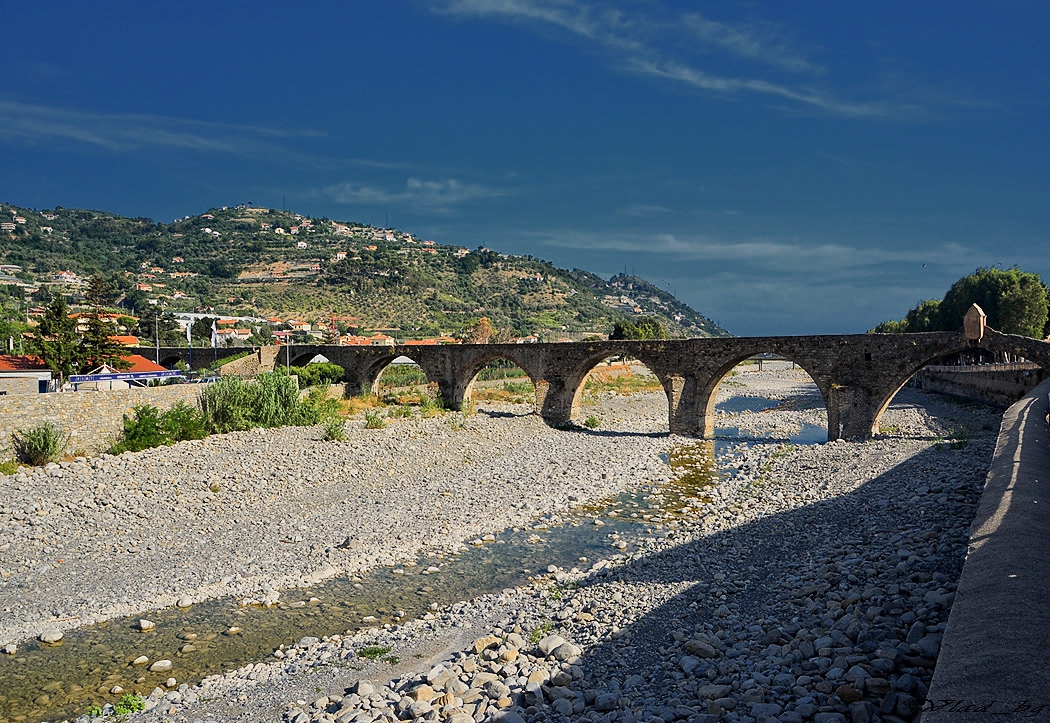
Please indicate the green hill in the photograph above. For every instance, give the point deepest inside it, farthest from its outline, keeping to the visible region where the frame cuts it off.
(262, 262)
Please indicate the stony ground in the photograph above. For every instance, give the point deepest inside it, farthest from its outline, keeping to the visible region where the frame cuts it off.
(811, 585)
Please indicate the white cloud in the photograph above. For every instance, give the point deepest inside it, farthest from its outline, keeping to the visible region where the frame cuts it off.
(644, 45)
(417, 194)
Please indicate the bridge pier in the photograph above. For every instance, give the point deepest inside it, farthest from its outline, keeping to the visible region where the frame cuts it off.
(683, 406)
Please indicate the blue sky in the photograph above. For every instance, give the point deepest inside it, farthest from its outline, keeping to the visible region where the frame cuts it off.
(785, 168)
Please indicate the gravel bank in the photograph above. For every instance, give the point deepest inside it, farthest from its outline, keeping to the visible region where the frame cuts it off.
(812, 585)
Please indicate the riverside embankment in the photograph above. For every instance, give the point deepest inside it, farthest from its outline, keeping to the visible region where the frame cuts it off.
(832, 564)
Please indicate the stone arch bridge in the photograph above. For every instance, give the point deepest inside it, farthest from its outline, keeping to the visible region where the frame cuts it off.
(857, 374)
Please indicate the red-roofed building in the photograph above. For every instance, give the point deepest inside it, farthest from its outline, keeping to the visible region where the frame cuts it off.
(23, 375)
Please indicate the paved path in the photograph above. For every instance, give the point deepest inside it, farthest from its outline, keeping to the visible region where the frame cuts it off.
(992, 664)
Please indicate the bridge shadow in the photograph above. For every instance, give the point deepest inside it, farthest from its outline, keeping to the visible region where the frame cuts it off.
(780, 580)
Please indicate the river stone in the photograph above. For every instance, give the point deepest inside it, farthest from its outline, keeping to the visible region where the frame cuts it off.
(496, 690)
(688, 663)
(51, 636)
(145, 625)
(362, 688)
(701, 649)
(562, 706)
(161, 666)
(713, 692)
(565, 652)
(422, 692)
(549, 643)
(485, 642)
(141, 660)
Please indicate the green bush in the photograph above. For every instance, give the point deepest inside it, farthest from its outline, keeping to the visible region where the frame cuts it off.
(271, 400)
(141, 431)
(374, 420)
(317, 400)
(150, 427)
(320, 373)
(182, 422)
(8, 466)
(227, 405)
(592, 422)
(334, 431)
(129, 703)
(39, 445)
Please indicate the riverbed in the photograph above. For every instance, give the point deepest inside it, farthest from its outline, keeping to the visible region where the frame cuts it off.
(292, 511)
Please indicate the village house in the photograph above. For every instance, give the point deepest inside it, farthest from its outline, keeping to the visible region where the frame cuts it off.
(23, 375)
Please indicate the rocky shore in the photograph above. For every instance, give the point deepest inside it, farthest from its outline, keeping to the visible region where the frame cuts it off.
(812, 584)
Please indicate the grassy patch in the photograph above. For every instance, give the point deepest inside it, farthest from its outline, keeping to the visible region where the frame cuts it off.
(373, 652)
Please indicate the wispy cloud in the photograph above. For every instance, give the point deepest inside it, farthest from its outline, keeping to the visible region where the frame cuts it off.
(787, 256)
(124, 132)
(645, 44)
(746, 41)
(417, 194)
(643, 210)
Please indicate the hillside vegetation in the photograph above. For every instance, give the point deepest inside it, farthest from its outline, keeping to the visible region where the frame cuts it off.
(248, 261)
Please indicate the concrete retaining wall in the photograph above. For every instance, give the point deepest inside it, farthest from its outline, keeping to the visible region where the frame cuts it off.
(94, 419)
(992, 664)
(999, 386)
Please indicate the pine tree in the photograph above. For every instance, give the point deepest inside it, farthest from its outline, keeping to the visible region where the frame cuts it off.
(56, 340)
(99, 346)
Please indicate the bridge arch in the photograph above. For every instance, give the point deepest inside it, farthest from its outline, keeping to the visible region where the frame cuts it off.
(1037, 352)
(568, 393)
(170, 360)
(707, 393)
(375, 369)
(468, 373)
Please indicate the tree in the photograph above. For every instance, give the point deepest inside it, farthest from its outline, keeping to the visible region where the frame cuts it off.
(99, 345)
(480, 332)
(647, 329)
(1015, 301)
(56, 340)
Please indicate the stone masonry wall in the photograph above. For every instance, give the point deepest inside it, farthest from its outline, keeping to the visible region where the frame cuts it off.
(94, 419)
(998, 387)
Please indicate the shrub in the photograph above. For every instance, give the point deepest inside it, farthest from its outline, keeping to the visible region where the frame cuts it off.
(141, 431)
(8, 467)
(334, 431)
(321, 404)
(150, 428)
(322, 373)
(271, 400)
(431, 406)
(182, 422)
(374, 420)
(227, 405)
(592, 422)
(39, 445)
(129, 703)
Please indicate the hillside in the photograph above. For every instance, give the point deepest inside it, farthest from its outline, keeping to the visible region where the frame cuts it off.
(248, 261)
